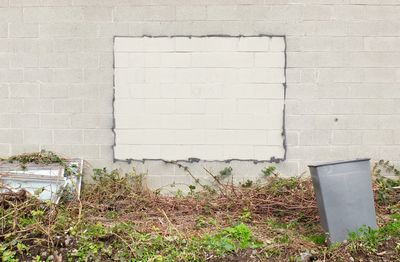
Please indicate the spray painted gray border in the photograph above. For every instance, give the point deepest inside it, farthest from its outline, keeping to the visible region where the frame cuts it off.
(193, 160)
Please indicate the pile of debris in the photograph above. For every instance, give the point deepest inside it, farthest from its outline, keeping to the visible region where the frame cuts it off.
(44, 174)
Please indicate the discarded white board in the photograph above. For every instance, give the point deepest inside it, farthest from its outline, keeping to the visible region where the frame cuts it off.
(47, 182)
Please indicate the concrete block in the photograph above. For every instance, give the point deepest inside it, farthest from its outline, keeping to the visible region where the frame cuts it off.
(98, 137)
(315, 137)
(37, 105)
(106, 60)
(53, 60)
(69, 105)
(249, 106)
(102, 76)
(194, 12)
(382, 44)
(269, 59)
(23, 30)
(38, 136)
(25, 120)
(86, 151)
(253, 44)
(24, 3)
(261, 75)
(189, 106)
(13, 105)
(101, 106)
(91, 121)
(4, 91)
(97, 14)
(227, 12)
(346, 137)
(63, 75)
(378, 137)
(4, 3)
(112, 29)
(162, 106)
(144, 13)
(11, 15)
(200, 44)
(68, 137)
(23, 60)
(84, 90)
(226, 59)
(63, 150)
(17, 149)
(11, 136)
(56, 120)
(12, 75)
(68, 30)
(318, 12)
(159, 75)
(106, 152)
(53, 90)
(4, 61)
(24, 90)
(78, 60)
(3, 30)
(161, 60)
(380, 75)
(53, 14)
(349, 12)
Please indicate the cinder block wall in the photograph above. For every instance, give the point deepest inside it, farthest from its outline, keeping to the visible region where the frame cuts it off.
(343, 58)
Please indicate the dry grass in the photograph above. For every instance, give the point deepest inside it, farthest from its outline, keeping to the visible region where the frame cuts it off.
(117, 214)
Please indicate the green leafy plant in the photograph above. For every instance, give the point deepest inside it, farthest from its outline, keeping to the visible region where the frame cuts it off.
(385, 185)
(247, 183)
(269, 170)
(369, 239)
(227, 171)
(232, 239)
(118, 219)
(246, 216)
(318, 239)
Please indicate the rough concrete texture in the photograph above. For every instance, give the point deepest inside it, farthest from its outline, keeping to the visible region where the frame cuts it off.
(212, 98)
(343, 58)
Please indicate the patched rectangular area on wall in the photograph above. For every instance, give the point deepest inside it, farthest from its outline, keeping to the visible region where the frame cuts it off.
(208, 97)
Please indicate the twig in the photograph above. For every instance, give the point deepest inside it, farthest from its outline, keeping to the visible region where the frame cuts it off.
(217, 180)
(170, 223)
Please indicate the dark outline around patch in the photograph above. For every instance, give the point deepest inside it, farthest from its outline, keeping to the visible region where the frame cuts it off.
(190, 159)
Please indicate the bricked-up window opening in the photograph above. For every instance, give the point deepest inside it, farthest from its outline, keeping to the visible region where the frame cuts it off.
(212, 98)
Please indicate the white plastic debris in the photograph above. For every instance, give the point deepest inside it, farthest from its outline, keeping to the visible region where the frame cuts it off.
(47, 182)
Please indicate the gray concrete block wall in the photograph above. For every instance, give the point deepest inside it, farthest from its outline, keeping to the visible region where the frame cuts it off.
(56, 74)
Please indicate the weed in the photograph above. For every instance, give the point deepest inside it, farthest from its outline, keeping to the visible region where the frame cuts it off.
(318, 239)
(6, 254)
(283, 239)
(201, 222)
(369, 239)
(192, 189)
(246, 216)
(269, 170)
(247, 183)
(227, 171)
(117, 218)
(387, 167)
(385, 185)
(231, 239)
(275, 224)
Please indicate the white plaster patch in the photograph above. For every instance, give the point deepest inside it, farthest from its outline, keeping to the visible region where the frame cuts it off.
(213, 98)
